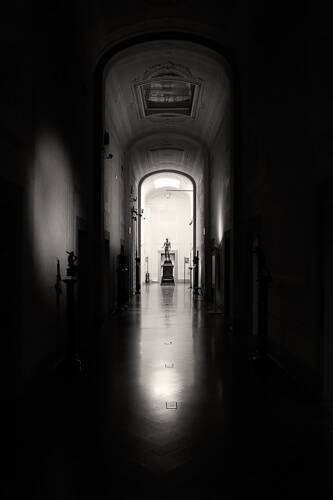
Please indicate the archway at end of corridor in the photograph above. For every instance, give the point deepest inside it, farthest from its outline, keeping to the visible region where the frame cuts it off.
(167, 201)
(187, 134)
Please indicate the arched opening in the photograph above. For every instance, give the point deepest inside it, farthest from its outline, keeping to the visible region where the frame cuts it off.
(167, 202)
(165, 106)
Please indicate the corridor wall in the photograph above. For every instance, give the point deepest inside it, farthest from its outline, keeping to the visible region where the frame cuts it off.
(46, 125)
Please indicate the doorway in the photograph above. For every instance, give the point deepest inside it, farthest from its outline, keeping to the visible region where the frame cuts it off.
(168, 209)
(106, 275)
(84, 278)
(227, 270)
(11, 219)
(253, 241)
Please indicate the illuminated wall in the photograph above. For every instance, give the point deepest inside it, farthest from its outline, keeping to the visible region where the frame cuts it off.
(113, 216)
(220, 196)
(46, 120)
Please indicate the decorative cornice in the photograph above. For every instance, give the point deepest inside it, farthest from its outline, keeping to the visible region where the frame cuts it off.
(171, 69)
(167, 118)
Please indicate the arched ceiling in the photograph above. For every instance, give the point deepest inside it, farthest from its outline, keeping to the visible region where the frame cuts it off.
(166, 100)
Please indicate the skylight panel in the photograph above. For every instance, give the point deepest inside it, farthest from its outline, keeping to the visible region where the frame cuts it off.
(166, 182)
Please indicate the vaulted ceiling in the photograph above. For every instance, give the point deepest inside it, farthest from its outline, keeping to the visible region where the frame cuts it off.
(167, 100)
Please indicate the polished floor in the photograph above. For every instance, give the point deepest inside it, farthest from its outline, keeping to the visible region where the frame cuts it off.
(169, 404)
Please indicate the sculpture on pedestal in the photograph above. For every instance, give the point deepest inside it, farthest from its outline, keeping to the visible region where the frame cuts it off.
(72, 269)
(167, 278)
(72, 360)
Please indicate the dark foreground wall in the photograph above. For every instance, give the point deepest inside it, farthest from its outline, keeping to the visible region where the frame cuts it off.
(287, 119)
(46, 125)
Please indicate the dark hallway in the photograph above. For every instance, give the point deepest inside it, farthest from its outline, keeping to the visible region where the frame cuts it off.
(170, 404)
(124, 125)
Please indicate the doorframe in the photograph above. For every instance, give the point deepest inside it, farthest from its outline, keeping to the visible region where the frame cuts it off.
(325, 206)
(194, 210)
(253, 237)
(227, 273)
(13, 257)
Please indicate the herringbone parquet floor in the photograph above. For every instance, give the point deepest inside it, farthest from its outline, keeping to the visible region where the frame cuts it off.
(170, 405)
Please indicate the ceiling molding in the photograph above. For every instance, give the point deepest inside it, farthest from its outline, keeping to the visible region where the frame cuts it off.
(167, 93)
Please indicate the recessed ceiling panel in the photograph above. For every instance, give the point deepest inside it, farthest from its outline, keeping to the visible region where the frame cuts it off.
(167, 91)
(171, 96)
(166, 155)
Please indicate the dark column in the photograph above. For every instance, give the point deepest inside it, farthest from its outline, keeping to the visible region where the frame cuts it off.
(190, 268)
(196, 274)
(137, 275)
(263, 278)
(121, 274)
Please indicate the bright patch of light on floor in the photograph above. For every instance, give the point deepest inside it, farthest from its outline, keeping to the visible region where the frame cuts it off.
(164, 383)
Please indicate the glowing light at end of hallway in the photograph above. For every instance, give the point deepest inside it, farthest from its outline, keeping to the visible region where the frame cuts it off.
(166, 182)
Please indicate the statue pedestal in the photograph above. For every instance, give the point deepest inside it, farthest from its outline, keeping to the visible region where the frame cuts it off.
(167, 278)
(71, 358)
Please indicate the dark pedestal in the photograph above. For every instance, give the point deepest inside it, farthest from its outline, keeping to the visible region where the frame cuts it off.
(261, 355)
(167, 278)
(196, 275)
(121, 281)
(72, 360)
(138, 275)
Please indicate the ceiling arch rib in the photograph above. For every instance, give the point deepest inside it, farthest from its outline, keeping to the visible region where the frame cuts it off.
(171, 151)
